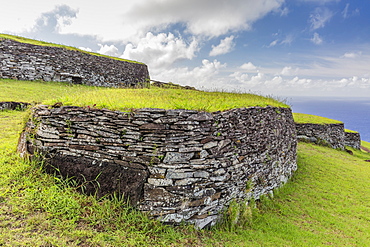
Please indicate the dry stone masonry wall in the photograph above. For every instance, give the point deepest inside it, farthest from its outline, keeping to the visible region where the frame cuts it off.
(24, 61)
(177, 165)
(11, 105)
(352, 139)
(331, 134)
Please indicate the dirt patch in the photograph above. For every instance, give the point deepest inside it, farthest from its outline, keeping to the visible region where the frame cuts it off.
(365, 149)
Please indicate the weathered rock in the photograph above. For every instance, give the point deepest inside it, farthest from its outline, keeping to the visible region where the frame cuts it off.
(174, 157)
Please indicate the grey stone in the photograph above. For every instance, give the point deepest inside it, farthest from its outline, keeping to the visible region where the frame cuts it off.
(209, 221)
(204, 154)
(160, 181)
(186, 181)
(201, 116)
(173, 157)
(209, 145)
(190, 149)
(173, 174)
(201, 174)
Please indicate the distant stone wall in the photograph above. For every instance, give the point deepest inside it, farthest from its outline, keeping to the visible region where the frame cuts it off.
(178, 165)
(331, 134)
(32, 62)
(352, 139)
(11, 105)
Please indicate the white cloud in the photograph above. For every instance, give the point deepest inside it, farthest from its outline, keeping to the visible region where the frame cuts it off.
(321, 1)
(225, 46)
(209, 18)
(284, 12)
(288, 40)
(240, 77)
(285, 86)
(316, 39)
(248, 67)
(352, 54)
(345, 11)
(22, 18)
(85, 49)
(289, 71)
(320, 17)
(161, 51)
(273, 43)
(204, 76)
(109, 50)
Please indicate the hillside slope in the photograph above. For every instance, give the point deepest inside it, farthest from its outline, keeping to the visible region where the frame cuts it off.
(326, 203)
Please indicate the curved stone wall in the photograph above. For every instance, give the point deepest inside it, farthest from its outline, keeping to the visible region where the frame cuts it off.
(178, 165)
(352, 139)
(24, 61)
(332, 134)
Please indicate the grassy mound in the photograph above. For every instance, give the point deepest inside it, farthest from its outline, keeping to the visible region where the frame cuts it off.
(313, 119)
(127, 99)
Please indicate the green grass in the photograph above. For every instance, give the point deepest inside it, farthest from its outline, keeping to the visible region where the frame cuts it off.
(365, 144)
(307, 118)
(350, 131)
(326, 203)
(42, 43)
(128, 99)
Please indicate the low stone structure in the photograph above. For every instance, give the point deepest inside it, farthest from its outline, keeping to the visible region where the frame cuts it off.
(24, 61)
(177, 165)
(331, 134)
(11, 105)
(352, 139)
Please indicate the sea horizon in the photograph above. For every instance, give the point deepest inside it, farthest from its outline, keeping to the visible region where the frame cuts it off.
(354, 112)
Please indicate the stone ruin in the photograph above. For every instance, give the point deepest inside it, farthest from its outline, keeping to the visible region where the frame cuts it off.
(176, 165)
(23, 61)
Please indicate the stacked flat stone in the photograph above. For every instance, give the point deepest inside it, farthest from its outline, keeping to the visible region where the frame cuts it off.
(352, 139)
(24, 61)
(11, 105)
(177, 165)
(330, 134)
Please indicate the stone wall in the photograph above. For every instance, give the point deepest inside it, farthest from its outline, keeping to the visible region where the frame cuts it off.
(11, 105)
(331, 134)
(352, 139)
(32, 62)
(177, 165)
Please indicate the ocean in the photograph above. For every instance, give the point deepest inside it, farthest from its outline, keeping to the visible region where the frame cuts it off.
(353, 112)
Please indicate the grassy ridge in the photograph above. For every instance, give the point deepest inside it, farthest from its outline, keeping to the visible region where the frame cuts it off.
(127, 99)
(42, 43)
(307, 118)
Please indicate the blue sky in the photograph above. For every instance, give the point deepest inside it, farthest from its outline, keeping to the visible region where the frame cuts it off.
(270, 47)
